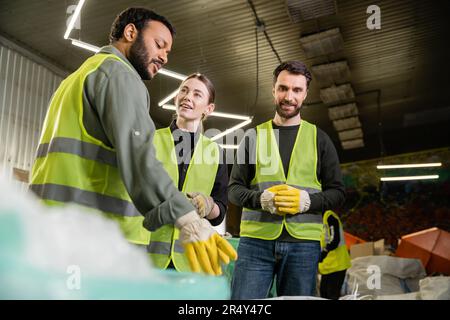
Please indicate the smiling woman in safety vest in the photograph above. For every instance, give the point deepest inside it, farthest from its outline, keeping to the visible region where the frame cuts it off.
(192, 161)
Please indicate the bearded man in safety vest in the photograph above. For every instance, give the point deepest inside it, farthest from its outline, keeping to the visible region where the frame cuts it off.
(286, 174)
(96, 147)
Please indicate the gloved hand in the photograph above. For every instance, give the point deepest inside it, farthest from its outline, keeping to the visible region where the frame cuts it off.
(202, 203)
(268, 196)
(323, 255)
(204, 247)
(292, 201)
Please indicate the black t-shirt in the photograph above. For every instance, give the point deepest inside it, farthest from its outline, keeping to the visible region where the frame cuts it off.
(286, 139)
(219, 191)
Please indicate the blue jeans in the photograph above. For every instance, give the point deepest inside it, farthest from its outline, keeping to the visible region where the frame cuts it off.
(294, 264)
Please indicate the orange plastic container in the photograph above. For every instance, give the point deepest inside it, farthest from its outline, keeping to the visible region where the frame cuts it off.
(431, 246)
(351, 240)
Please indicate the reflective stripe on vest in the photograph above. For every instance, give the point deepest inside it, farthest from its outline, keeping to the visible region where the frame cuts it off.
(80, 148)
(164, 244)
(165, 247)
(60, 193)
(337, 259)
(73, 166)
(269, 172)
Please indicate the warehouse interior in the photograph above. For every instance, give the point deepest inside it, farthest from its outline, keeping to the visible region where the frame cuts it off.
(380, 91)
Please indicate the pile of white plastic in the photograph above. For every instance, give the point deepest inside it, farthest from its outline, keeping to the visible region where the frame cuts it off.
(69, 253)
(392, 278)
(57, 239)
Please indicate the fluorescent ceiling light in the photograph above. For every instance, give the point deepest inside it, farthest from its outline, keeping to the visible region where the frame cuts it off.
(409, 178)
(229, 146)
(213, 114)
(239, 125)
(172, 74)
(167, 99)
(229, 115)
(413, 165)
(74, 18)
(85, 45)
(169, 107)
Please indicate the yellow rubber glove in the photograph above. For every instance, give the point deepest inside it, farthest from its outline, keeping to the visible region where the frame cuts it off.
(202, 203)
(292, 201)
(203, 256)
(226, 250)
(223, 257)
(267, 198)
(204, 248)
(278, 187)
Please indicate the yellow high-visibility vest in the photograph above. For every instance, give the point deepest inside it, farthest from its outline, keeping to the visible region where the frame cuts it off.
(73, 166)
(200, 177)
(269, 172)
(337, 259)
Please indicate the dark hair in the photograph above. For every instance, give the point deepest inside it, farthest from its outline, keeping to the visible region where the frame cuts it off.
(208, 83)
(295, 67)
(139, 17)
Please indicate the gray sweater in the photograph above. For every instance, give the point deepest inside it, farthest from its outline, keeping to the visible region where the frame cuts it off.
(116, 107)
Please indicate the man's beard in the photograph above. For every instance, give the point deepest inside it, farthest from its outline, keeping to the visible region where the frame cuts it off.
(287, 114)
(139, 58)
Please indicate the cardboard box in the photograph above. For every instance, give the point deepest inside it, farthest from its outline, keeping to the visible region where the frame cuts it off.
(378, 248)
(373, 248)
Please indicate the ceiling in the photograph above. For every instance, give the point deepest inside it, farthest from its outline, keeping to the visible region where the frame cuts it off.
(399, 73)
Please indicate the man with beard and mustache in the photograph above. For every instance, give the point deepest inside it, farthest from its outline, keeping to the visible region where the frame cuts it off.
(285, 176)
(96, 145)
